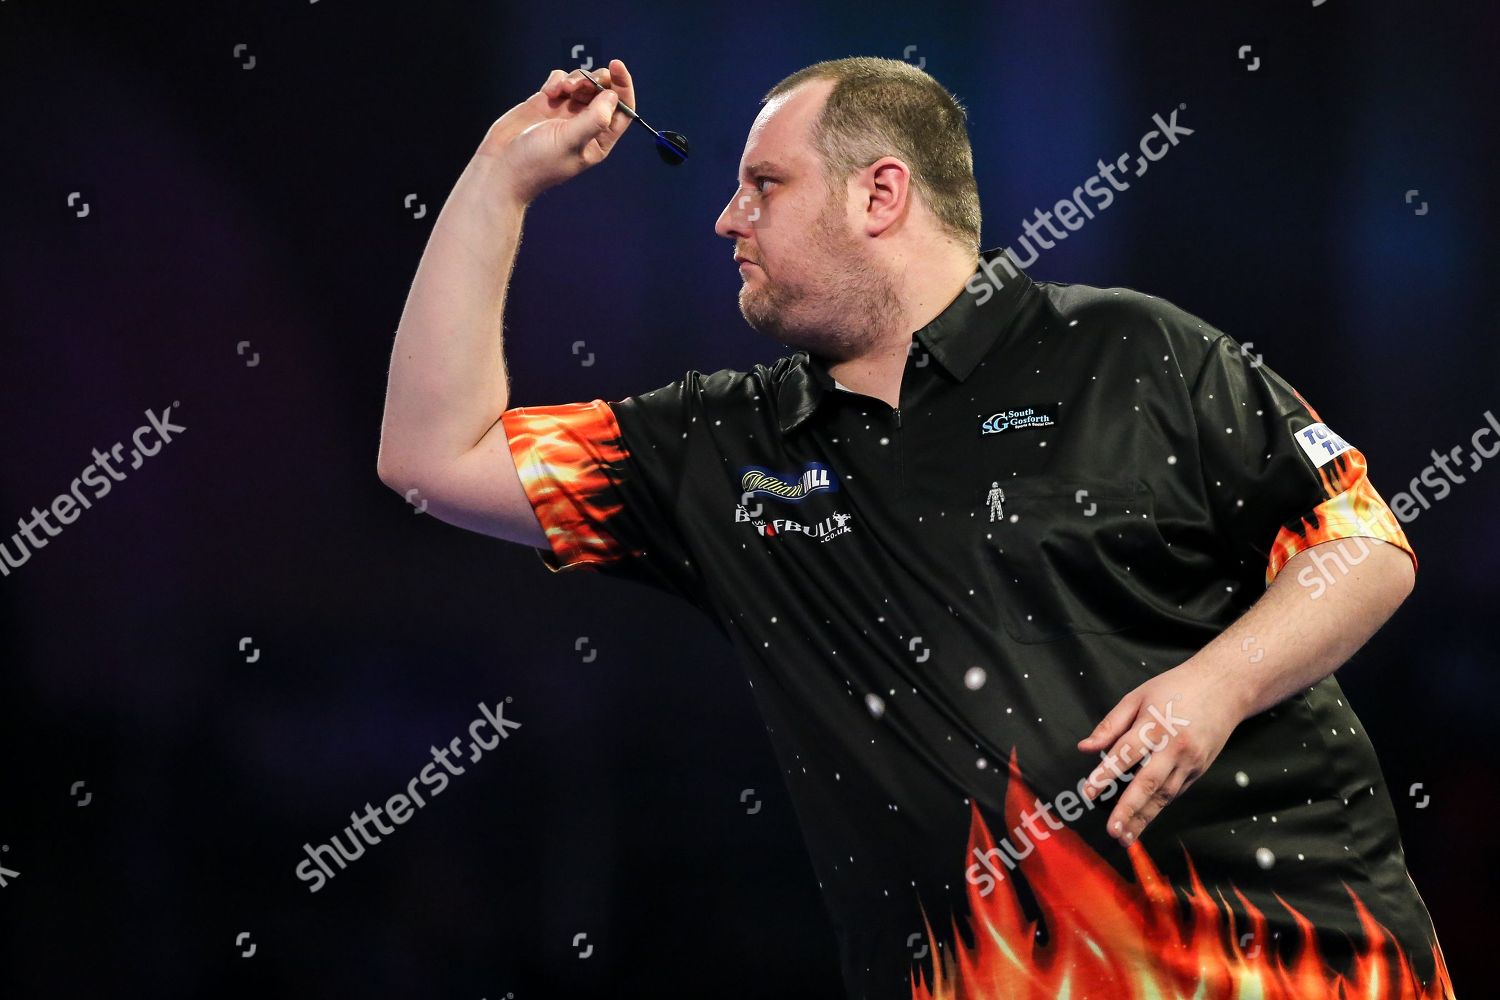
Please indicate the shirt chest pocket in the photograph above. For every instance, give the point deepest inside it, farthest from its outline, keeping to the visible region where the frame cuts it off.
(1070, 556)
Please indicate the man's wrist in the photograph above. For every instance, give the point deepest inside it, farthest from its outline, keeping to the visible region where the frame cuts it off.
(1242, 683)
(500, 183)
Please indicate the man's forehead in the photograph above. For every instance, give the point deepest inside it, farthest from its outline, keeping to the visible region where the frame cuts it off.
(778, 138)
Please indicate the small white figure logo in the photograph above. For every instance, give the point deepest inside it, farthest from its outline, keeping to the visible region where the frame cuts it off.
(996, 499)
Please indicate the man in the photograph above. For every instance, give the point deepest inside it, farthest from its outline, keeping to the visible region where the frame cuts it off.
(1013, 567)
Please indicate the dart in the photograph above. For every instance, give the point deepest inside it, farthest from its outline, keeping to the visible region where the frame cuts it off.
(672, 147)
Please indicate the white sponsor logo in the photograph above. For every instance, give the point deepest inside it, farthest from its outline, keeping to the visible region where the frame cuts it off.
(826, 530)
(1017, 420)
(1320, 444)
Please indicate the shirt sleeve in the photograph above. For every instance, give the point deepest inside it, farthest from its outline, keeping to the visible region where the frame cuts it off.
(604, 478)
(1279, 480)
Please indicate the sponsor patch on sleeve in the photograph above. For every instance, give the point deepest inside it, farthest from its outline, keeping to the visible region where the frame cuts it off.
(1321, 444)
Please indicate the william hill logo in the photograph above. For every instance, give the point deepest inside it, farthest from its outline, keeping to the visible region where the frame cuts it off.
(756, 480)
(1026, 419)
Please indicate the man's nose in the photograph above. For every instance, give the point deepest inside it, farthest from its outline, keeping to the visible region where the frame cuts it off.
(737, 221)
(731, 223)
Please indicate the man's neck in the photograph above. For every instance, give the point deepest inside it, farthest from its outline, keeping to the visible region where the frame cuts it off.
(877, 370)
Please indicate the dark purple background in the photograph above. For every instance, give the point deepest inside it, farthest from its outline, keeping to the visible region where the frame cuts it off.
(266, 205)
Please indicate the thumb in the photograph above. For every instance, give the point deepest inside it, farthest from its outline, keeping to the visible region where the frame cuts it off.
(594, 122)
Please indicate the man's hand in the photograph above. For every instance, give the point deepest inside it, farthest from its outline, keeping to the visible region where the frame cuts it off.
(1177, 722)
(561, 130)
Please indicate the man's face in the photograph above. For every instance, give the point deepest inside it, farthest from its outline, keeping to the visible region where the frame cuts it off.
(810, 281)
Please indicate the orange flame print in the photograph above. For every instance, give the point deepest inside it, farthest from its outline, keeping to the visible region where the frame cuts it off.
(569, 457)
(1353, 508)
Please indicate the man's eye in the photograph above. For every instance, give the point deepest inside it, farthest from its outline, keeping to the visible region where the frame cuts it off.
(763, 180)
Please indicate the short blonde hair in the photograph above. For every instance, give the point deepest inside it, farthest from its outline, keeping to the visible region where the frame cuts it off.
(886, 107)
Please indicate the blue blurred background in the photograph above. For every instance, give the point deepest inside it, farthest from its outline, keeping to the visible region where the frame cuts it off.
(267, 202)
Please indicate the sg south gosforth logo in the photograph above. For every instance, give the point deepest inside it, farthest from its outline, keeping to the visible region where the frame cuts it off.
(1024, 419)
(833, 526)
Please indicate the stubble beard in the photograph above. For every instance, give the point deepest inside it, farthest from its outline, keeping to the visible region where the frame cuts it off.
(842, 304)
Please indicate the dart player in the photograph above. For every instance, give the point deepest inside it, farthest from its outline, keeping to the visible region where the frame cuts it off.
(1013, 566)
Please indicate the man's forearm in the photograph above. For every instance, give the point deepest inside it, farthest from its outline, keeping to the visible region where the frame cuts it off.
(447, 382)
(1294, 636)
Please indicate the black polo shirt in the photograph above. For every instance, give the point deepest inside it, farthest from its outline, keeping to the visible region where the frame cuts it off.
(934, 602)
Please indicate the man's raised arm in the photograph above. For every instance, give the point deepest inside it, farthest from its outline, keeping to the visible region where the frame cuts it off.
(441, 439)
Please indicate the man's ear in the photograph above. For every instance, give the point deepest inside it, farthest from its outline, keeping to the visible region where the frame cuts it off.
(886, 186)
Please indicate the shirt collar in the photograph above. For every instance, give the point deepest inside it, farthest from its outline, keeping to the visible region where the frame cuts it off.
(959, 337)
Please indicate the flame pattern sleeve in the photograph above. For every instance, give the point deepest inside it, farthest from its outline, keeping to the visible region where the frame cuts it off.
(1277, 478)
(607, 481)
(571, 459)
(1354, 508)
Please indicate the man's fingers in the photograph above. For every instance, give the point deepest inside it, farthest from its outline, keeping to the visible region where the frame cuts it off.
(1112, 726)
(623, 84)
(593, 123)
(1112, 767)
(614, 77)
(1143, 785)
(1153, 787)
(563, 86)
(572, 94)
(578, 87)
